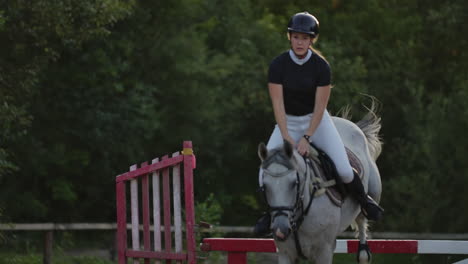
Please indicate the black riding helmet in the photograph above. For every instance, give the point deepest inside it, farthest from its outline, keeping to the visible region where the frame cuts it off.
(304, 23)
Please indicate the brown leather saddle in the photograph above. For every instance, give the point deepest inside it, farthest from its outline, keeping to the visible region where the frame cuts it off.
(336, 192)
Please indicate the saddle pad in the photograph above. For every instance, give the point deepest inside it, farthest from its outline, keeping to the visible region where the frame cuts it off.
(332, 192)
(335, 196)
(355, 163)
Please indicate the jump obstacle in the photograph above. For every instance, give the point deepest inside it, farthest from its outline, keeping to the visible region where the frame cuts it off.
(237, 248)
(165, 170)
(168, 170)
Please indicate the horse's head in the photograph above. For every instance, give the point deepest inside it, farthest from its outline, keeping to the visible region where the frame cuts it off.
(282, 183)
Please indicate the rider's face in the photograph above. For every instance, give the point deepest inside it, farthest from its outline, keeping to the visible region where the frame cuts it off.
(300, 43)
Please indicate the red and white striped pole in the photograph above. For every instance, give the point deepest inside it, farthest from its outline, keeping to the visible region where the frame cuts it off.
(406, 246)
(237, 248)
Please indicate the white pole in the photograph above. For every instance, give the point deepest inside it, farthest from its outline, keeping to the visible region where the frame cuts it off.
(442, 246)
(156, 211)
(134, 210)
(177, 207)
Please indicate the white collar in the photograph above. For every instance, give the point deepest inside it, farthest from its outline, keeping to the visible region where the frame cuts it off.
(300, 61)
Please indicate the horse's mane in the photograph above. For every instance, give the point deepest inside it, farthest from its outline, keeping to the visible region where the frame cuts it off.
(279, 156)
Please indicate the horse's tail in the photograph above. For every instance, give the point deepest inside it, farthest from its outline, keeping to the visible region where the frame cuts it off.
(370, 124)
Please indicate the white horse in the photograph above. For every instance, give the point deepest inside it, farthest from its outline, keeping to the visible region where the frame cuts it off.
(286, 182)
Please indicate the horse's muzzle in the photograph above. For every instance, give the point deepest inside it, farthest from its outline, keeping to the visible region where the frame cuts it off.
(281, 228)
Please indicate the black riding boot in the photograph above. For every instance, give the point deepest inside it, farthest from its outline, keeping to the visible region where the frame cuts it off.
(369, 208)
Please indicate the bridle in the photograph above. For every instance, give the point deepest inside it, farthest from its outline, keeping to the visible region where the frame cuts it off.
(281, 210)
(298, 211)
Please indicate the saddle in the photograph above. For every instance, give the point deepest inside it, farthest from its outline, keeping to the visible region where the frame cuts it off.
(327, 179)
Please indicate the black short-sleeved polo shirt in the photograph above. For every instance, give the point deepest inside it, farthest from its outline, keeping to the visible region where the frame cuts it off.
(299, 82)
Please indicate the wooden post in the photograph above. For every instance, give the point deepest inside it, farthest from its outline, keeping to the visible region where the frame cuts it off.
(48, 242)
(189, 165)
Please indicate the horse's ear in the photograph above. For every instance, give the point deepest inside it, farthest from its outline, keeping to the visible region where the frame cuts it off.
(288, 148)
(262, 151)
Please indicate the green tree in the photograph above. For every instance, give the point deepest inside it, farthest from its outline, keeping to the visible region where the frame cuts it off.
(34, 37)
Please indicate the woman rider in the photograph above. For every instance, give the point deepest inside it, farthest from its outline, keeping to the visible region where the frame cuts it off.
(299, 82)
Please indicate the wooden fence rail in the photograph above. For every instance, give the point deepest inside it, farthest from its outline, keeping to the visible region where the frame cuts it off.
(214, 229)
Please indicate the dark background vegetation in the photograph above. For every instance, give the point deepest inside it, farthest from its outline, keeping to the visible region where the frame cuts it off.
(88, 88)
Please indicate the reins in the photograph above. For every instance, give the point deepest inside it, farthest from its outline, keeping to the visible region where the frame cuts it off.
(297, 224)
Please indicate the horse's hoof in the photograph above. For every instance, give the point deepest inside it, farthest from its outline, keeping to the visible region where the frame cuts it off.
(364, 255)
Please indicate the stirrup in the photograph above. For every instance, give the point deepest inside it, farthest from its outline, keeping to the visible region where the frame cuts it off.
(372, 210)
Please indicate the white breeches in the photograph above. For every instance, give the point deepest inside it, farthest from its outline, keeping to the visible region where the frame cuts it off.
(326, 137)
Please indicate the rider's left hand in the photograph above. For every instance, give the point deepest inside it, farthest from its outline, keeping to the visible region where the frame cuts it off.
(303, 146)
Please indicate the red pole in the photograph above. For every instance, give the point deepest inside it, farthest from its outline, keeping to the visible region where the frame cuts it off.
(189, 164)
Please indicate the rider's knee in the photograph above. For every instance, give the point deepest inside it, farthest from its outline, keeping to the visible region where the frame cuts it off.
(345, 172)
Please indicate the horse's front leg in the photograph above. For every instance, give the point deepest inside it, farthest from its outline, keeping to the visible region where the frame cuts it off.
(364, 255)
(286, 251)
(325, 255)
(284, 259)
